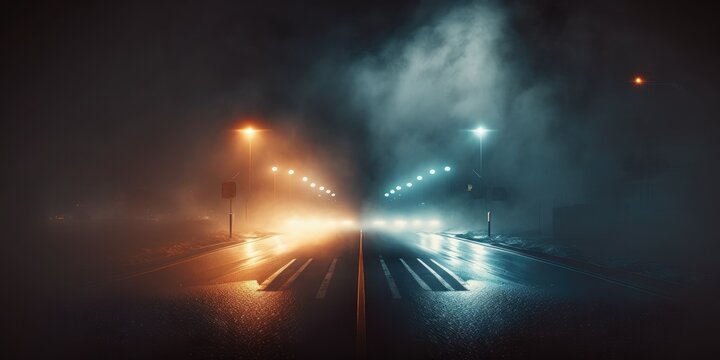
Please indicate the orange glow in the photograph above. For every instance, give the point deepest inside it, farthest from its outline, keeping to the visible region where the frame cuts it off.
(638, 81)
(249, 131)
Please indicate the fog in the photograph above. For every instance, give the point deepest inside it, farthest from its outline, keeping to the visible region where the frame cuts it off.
(129, 111)
(569, 135)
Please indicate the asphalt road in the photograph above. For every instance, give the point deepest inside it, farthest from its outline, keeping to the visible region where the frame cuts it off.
(425, 296)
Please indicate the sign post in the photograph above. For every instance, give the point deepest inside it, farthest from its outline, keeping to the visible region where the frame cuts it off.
(228, 192)
(488, 220)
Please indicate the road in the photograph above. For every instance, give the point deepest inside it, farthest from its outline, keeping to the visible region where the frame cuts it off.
(425, 296)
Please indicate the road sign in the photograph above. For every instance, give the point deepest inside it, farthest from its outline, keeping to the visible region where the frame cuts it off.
(228, 189)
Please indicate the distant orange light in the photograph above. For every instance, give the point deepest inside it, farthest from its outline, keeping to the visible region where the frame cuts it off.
(249, 131)
(638, 80)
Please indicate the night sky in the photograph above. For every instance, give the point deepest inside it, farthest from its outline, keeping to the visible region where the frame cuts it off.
(119, 100)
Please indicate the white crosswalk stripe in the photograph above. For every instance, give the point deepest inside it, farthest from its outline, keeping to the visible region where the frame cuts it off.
(437, 276)
(390, 280)
(272, 277)
(294, 276)
(457, 278)
(415, 276)
(326, 281)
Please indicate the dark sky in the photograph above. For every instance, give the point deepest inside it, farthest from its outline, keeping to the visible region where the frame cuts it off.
(109, 99)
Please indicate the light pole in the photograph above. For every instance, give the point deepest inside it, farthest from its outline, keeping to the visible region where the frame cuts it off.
(249, 132)
(274, 171)
(481, 132)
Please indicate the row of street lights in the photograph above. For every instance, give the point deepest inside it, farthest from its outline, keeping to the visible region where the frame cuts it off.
(326, 190)
(481, 132)
(409, 184)
(250, 133)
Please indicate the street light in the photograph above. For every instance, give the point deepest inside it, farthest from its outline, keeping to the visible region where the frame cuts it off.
(304, 178)
(408, 185)
(312, 185)
(398, 188)
(419, 178)
(328, 191)
(274, 171)
(481, 132)
(387, 195)
(638, 81)
(291, 171)
(249, 132)
(392, 191)
(447, 168)
(432, 171)
(322, 188)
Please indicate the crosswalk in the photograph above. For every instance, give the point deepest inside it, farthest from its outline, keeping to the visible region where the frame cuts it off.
(419, 274)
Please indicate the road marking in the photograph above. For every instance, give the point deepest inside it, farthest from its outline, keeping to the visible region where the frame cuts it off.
(326, 281)
(272, 277)
(457, 278)
(415, 276)
(437, 276)
(294, 276)
(390, 280)
(360, 330)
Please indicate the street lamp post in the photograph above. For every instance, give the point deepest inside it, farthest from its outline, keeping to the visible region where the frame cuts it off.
(274, 171)
(249, 132)
(480, 132)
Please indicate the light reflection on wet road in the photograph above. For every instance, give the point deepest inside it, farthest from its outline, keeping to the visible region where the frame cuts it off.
(426, 296)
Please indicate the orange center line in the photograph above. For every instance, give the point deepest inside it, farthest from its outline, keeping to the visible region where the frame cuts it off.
(360, 331)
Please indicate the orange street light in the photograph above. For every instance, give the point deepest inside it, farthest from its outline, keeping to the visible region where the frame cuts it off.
(291, 171)
(638, 81)
(249, 131)
(274, 169)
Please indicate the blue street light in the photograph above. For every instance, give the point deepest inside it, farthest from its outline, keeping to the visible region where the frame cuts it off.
(419, 178)
(447, 168)
(386, 194)
(392, 191)
(480, 132)
(398, 188)
(408, 185)
(432, 171)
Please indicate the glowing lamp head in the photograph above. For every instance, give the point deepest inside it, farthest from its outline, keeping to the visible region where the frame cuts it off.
(312, 185)
(398, 188)
(480, 132)
(408, 184)
(322, 188)
(249, 131)
(432, 171)
(291, 171)
(447, 168)
(387, 195)
(638, 81)
(305, 178)
(333, 194)
(327, 191)
(274, 169)
(392, 191)
(419, 178)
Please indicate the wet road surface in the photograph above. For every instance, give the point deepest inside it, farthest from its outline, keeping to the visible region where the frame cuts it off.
(425, 296)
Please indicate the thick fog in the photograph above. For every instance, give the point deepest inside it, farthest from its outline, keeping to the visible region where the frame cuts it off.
(130, 110)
